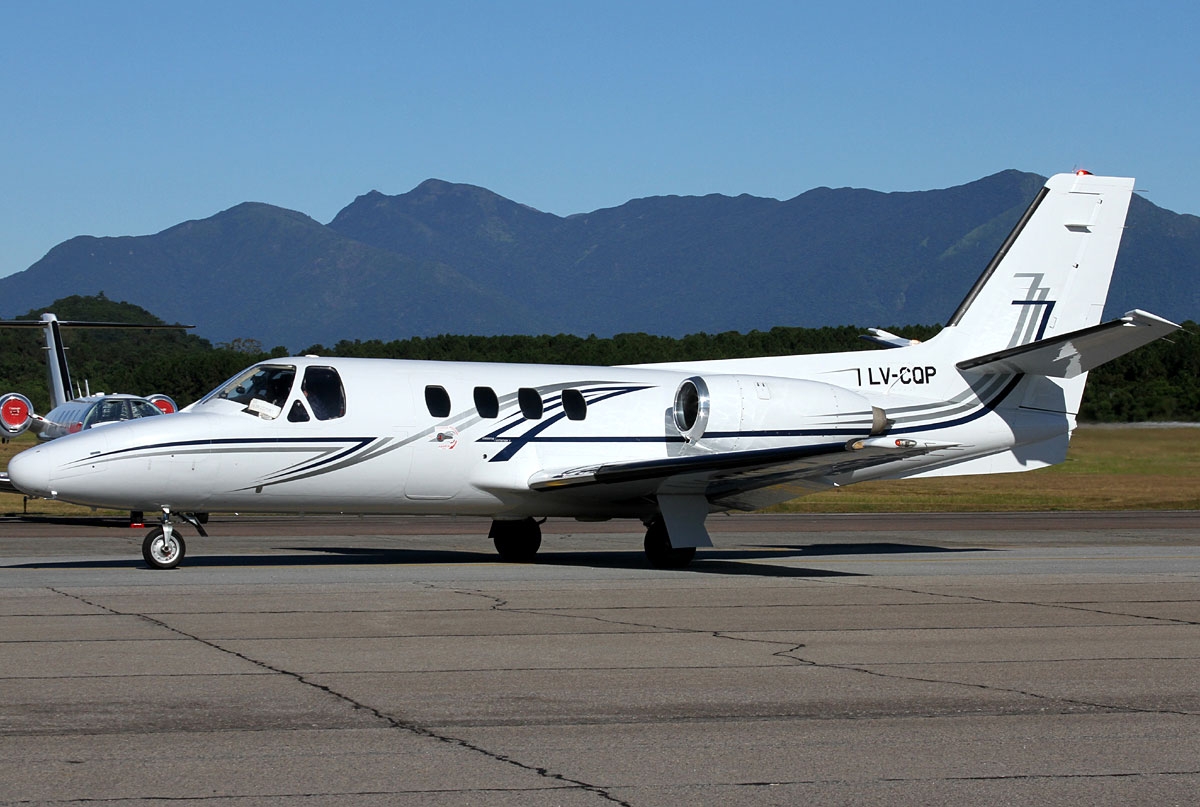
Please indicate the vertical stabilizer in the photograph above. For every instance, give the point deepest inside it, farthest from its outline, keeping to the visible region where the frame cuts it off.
(1050, 277)
(1052, 273)
(58, 376)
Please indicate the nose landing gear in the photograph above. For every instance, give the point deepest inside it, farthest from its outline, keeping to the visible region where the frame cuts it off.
(163, 547)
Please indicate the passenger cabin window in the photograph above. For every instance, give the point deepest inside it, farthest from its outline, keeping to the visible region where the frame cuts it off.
(437, 401)
(322, 388)
(574, 404)
(486, 402)
(530, 401)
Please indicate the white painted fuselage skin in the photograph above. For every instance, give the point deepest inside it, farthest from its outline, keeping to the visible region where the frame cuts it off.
(997, 390)
(387, 453)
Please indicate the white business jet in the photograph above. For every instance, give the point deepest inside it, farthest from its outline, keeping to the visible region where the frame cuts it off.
(996, 390)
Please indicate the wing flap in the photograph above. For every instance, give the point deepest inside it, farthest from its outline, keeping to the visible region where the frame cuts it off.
(726, 476)
(1077, 352)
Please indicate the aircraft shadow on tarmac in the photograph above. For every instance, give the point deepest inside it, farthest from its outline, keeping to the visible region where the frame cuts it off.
(751, 562)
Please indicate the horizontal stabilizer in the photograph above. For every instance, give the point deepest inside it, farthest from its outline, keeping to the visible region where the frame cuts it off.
(887, 339)
(1076, 352)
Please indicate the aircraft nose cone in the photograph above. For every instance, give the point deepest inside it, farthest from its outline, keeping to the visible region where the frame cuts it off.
(29, 472)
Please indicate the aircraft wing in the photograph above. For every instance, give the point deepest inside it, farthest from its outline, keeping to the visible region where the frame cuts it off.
(736, 479)
(1077, 352)
(7, 486)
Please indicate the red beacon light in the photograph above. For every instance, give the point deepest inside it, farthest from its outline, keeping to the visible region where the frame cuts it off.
(1083, 173)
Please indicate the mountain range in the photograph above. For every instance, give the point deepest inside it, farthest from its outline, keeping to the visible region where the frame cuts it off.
(455, 258)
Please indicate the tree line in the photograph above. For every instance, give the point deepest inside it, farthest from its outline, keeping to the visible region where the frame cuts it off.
(1159, 382)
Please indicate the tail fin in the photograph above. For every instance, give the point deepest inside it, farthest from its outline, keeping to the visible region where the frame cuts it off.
(1051, 275)
(58, 375)
(1045, 289)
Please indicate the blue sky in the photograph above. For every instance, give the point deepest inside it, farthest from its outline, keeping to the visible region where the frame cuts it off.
(124, 118)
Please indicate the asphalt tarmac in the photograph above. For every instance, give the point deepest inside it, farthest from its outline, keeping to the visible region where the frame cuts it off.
(981, 659)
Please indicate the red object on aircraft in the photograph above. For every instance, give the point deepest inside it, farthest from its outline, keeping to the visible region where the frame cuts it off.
(164, 404)
(15, 412)
(1083, 173)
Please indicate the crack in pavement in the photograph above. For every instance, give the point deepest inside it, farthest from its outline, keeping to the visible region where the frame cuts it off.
(790, 649)
(395, 722)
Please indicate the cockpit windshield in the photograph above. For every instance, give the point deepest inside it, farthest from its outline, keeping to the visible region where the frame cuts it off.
(263, 389)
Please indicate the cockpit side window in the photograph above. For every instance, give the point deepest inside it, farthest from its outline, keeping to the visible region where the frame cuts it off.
(144, 409)
(107, 411)
(322, 387)
(263, 389)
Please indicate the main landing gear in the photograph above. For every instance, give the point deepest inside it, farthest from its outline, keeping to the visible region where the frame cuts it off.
(516, 541)
(163, 547)
(660, 553)
(519, 541)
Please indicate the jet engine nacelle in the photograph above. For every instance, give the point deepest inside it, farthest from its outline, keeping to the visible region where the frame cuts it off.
(723, 406)
(16, 413)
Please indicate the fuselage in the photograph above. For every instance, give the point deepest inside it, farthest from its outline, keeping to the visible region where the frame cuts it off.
(370, 435)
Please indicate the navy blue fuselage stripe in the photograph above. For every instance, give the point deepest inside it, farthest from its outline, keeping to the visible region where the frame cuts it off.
(362, 441)
(987, 406)
(515, 444)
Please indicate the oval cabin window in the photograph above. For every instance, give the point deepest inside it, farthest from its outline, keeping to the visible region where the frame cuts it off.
(437, 401)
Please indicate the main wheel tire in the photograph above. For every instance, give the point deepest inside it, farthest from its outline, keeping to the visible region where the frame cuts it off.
(660, 553)
(159, 553)
(516, 541)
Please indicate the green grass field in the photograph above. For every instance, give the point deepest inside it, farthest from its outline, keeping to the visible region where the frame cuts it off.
(1108, 468)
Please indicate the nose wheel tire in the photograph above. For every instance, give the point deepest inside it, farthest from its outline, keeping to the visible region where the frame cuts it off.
(161, 552)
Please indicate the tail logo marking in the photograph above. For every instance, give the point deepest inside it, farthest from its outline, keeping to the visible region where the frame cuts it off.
(1030, 327)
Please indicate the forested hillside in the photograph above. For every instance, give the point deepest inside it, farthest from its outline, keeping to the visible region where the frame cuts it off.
(1158, 382)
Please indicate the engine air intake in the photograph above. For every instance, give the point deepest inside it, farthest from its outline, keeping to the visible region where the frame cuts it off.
(691, 408)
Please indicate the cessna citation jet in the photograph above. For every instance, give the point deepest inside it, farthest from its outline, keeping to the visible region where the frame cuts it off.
(996, 390)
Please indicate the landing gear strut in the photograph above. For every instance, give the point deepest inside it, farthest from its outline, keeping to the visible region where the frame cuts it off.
(516, 541)
(660, 553)
(163, 547)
